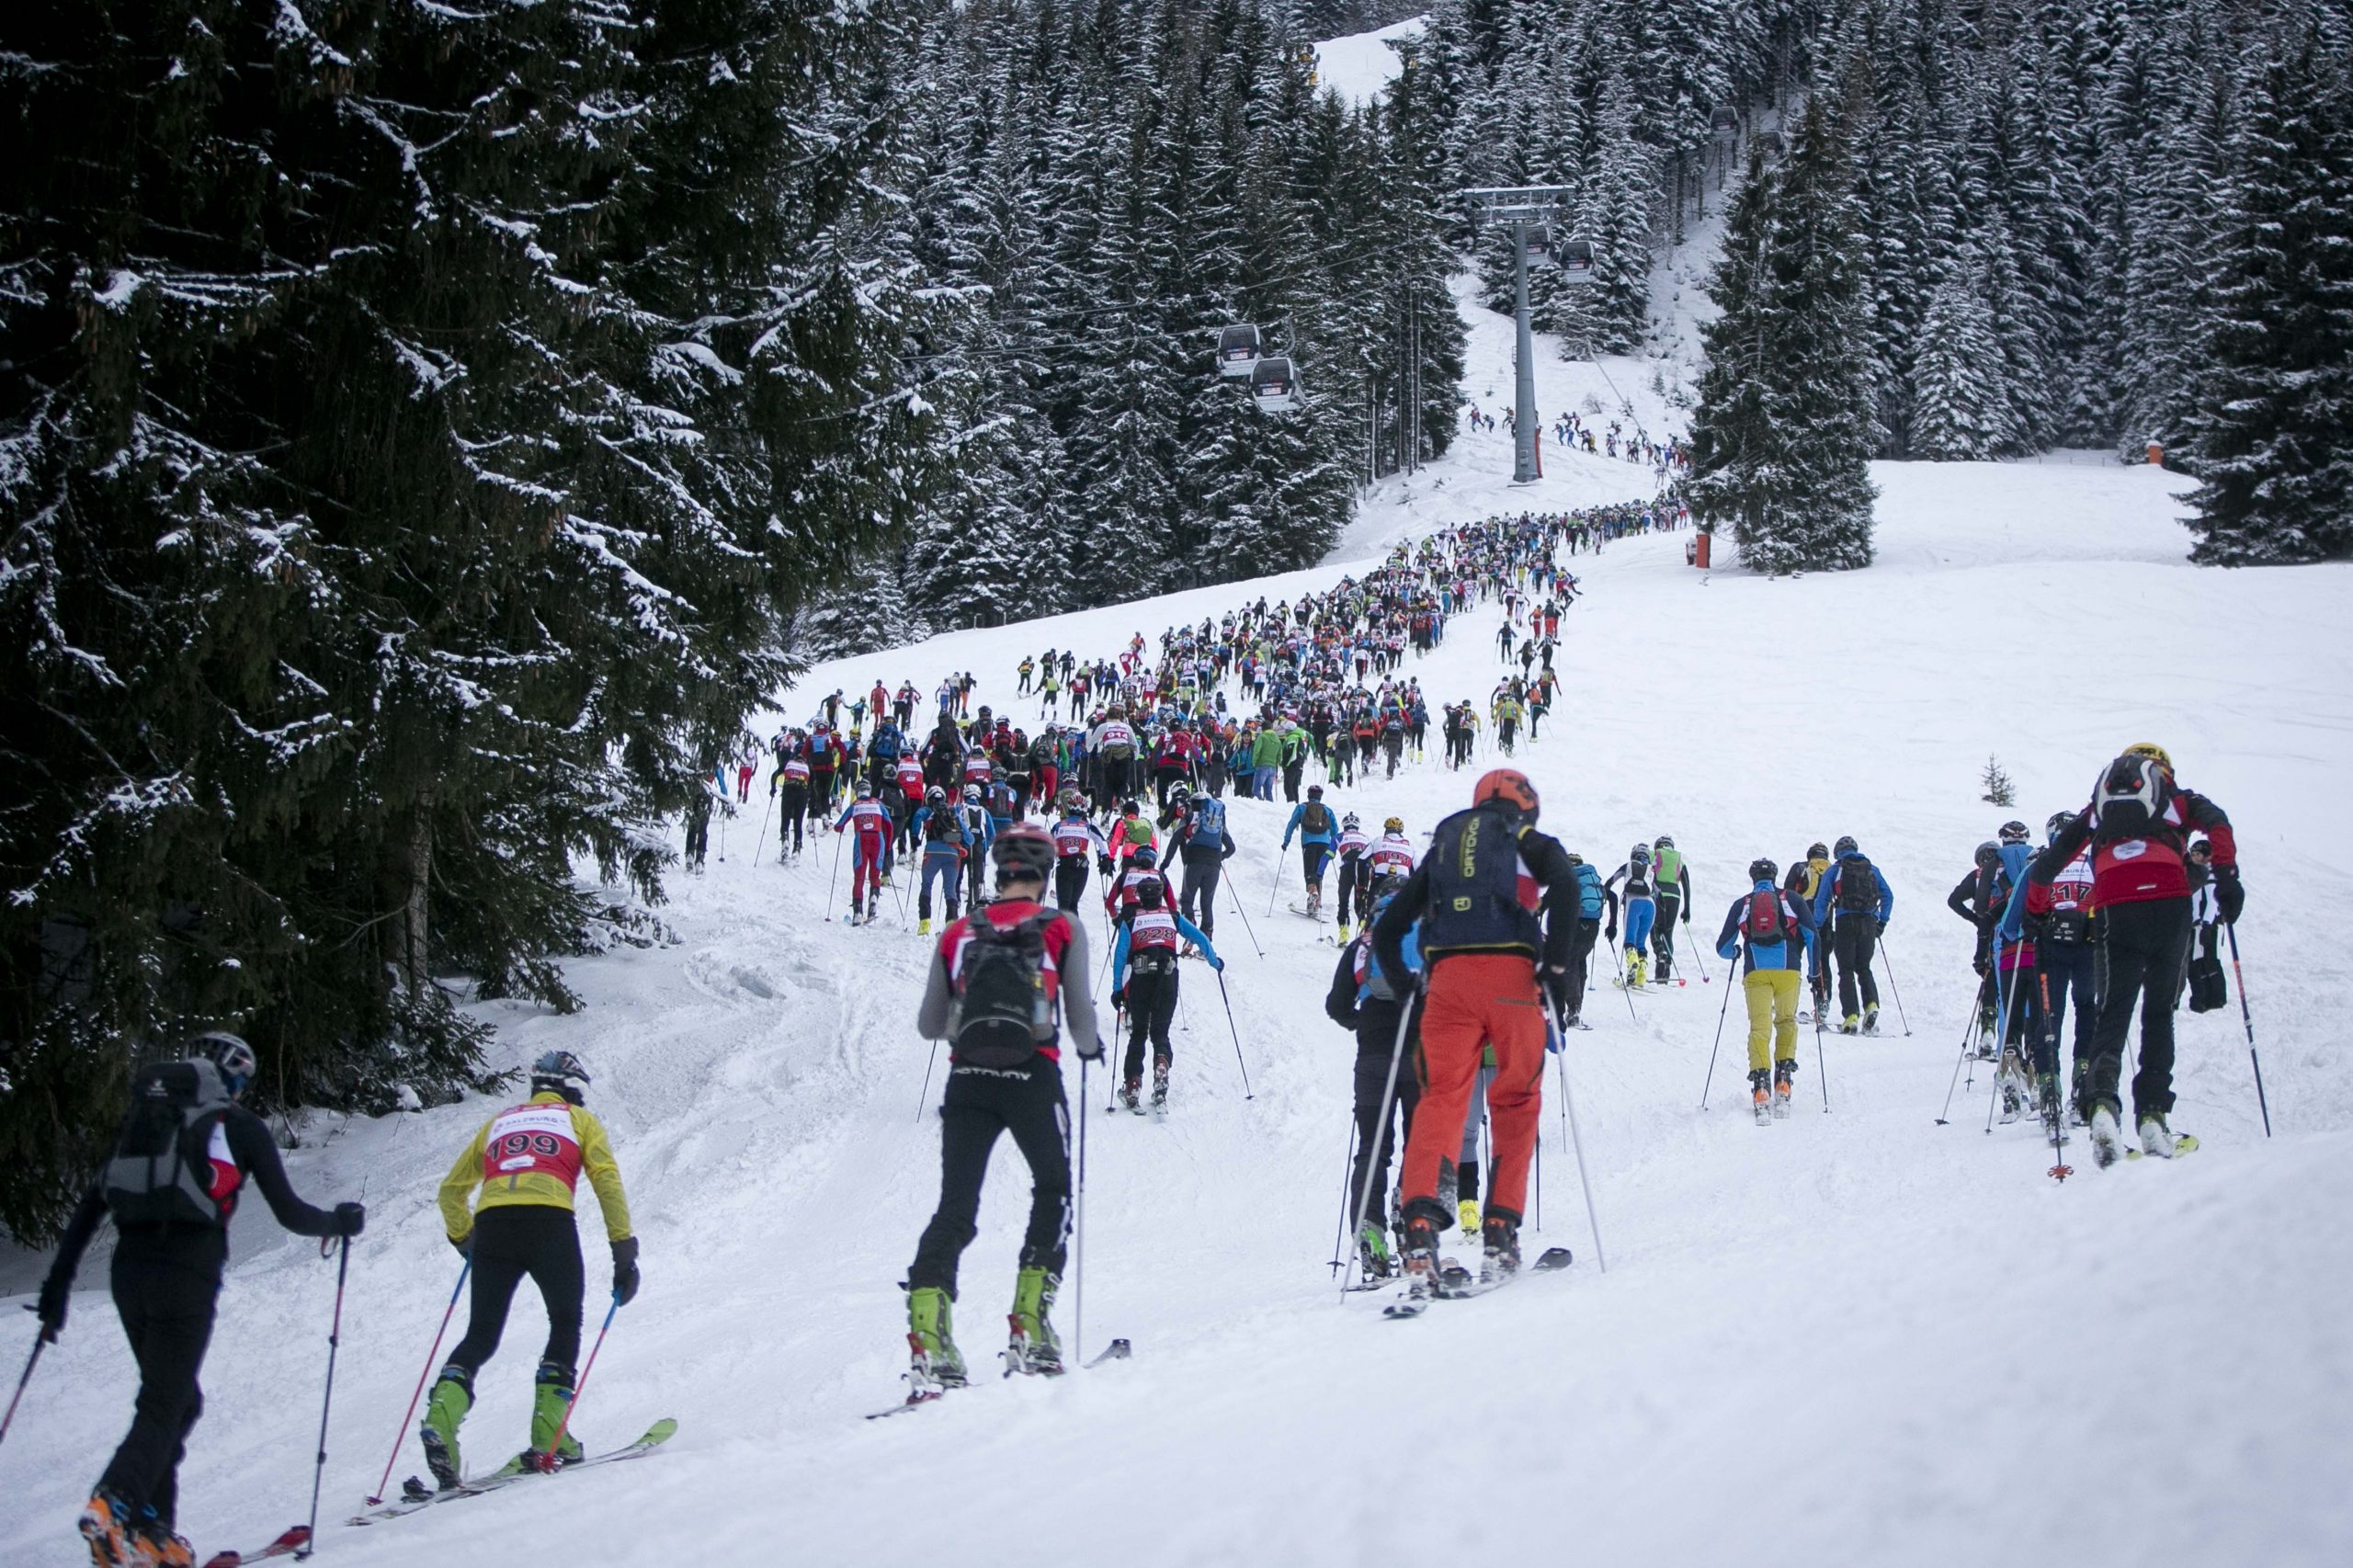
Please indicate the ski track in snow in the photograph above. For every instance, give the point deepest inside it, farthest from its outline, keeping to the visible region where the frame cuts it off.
(1857, 1337)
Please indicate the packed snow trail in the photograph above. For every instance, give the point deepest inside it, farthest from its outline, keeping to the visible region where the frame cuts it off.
(1845, 1338)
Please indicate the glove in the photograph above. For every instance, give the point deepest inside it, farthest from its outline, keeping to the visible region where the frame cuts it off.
(1981, 963)
(51, 1307)
(465, 1245)
(1095, 1054)
(1687, 917)
(2229, 892)
(1217, 964)
(625, 1270)
(1612, 934)
(1556, 986)
(1103, 865)
(1119, 1000)
(350, 1219)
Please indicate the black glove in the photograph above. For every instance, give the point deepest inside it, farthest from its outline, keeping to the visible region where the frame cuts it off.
(1556, 986)
(350, 1219)
(1119, 1000)
(465, 1244)
(625, 1270)
(1093, 1052)
(2229, 892)
(1612, 934)
(1103, 864)
(1981, 963)
(1687, 917)
(51, 1307)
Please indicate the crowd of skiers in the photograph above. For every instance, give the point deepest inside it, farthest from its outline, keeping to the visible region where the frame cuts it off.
(1457, 967)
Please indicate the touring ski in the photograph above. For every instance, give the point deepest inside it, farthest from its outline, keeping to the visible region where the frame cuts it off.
(2183, 1144)
(1118, 1350)
(416, 1493)
(1418, 1297)
(291, 1542)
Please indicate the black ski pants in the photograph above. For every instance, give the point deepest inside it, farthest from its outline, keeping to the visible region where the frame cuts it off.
(2068, 967)
(1376, 1048)
(2143, 947)
(1355, 895)
(1580, 960)
(1853, 939)
(1198, 903)
(165, 1281)
(1670, 904)
(1070, 880)
(1152, 1008)
(537, 1240)
(978, 1104)
(792, 806)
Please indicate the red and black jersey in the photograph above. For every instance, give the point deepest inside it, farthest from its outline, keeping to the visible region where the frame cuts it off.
(1005, 913)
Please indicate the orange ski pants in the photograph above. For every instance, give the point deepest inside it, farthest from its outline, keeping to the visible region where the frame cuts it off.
(1474, 1000)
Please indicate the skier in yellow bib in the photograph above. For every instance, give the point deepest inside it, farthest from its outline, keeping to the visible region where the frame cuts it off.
(526, 1160)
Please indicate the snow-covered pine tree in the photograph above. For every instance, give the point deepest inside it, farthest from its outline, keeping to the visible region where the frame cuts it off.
(1959, 407)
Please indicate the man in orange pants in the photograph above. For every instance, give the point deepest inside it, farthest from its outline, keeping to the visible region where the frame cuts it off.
(1491, 965)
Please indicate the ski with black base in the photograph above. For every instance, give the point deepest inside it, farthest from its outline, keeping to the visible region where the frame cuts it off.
(416, 1495)
(1419, 1298)
(286, 1545)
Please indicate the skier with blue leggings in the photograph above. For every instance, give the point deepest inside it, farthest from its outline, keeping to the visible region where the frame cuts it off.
(1639, 910)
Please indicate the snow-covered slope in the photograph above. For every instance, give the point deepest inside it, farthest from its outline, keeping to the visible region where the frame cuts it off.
(1360, 66)
(1854, 1338)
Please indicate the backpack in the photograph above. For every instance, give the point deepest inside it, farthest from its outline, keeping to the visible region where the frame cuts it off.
(2131, 801)
(1858, 892)
(1317, 818)
(941, 827)
(153, 1177)
(1003, 1014)
(1765, 925)
(1208, 824)
(1474, 869)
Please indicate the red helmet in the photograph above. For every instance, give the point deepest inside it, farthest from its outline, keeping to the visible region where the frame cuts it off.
(1024, 849)
(1508, 786)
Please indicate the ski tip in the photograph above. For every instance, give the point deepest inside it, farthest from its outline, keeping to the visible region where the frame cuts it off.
(1553, 1257)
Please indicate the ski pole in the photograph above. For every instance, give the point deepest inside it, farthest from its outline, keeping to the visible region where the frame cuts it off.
(1821, 1069)
(1078, 1226)
(1238, 909)
(32, 1360)
(1381, 1130)
(724, 814)
(925, 1099)
(1236, 1033)
(1618, 958)
(835, 880)
(544, 1460)
(1699, 953)
(1276, 890)
(763, 838)
(1722, 1008)
(1576, 1142)
(1893, 989)
(335, 1338)
(2232, 931)
(415, 1394)
(1347, 1180)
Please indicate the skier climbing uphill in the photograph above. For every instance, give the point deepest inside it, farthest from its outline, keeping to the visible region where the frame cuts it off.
(1477, 894)
(1318, 832)
(1765, 929)
(995, 993)
(185, 1149)
(1143, 983)
(528, 1160)
(1639, 910)
(1854, 899)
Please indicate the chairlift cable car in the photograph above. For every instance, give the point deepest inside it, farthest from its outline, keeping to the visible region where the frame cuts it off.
(1237, 349)
(1274, 385)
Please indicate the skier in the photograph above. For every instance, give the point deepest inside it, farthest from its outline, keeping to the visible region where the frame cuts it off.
(1356, 876)
(1974, 898)
(185, 1150)
(1140, 870)
(1854, 898)
(979, 832)
(1673, 882)
(1478, 894)
(2057, 914)
(1766, 930)
(1203, 844)
(994, 992)
(1074, 835)
(1393, 853)
(528, 1160)
(1143, 986)
(1590, 898)
(868, 861)
(945, 844)
(1803, 881)
(2136, 828)
(1362, 998)
(1639, 909)
(789, 785)
(1318, 832)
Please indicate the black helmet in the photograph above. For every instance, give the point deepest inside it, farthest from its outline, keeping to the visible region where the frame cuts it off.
(1762, 870)
(558, 1072)
(935, 796)
(1145, 856)
(2060, 823)
(2014, 832)
(1845, 845)
(1989, 855)
(1817, 850)
(230, 1056)
(1315, 792)
(1023, 850)
(1150, 894)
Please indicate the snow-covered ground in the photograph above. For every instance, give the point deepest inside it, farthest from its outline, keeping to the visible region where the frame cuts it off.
(1360, 66)
(1853, 1337)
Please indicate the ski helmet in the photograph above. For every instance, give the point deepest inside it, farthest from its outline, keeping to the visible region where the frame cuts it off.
(1664, 843)
(1349, 823)
(934, 796)
(1022, 850)
(866, 791)
(1507, 788)
(1394, 824)
(2014, 832)
(1640, 854)
(1315, 792)
(2060, 823)
(1845, 845)
(230, 1056)
(1151, 893)
(1817, 850)
(1763, 871)
(558, 1072)
(1145, 856)
(2152, 751)
(971, 794)
(1989, 855)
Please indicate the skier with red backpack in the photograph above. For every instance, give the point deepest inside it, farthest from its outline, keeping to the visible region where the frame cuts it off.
(995, 992)
(1765, 928)
(185, 1149)
(2137, 828)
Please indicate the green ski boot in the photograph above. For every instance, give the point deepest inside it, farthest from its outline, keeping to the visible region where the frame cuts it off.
(445, 1410)
(1034, 1349)
(937, 1364)
(551, 1403)
(1373, 1250)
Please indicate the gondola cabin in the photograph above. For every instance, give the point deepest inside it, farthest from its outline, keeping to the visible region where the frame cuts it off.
(1237, 351)
(1576, 257)
(1274, 386)
(1724, 124)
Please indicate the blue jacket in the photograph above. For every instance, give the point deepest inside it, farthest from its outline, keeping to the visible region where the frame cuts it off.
(1411, 948)
(1764, 955)
(1331, 833)
(1824, 895)
(2016, 858)
(963, 840)
(1185, 928)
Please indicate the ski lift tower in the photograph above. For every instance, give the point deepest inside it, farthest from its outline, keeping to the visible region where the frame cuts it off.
(1518, 209)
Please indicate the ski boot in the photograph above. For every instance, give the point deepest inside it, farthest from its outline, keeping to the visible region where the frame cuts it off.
(1851, 1024)
(1637, 967)
(923, 926)
(1372, 1252)
(551, 1403)
(2012, 1079)
(1499, 1259)
(2108, 1139)
(1760, 1092)
(1129, 1089)
(1344, 933)
(1467, 1213)
(2156, 1138)
(1870, 1018)
(153, 1545)
(2047, 1104)
(1034, 1349)
(2076, 1095)
(1784, 1072)
(445, 1409)
(1421, 1254)
(937, 1364)
(107, 1525)
(1160, 1083)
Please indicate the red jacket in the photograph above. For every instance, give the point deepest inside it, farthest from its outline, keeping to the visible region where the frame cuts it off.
(2136, 871)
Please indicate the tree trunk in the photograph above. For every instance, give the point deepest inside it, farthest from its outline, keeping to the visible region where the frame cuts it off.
(416, 949)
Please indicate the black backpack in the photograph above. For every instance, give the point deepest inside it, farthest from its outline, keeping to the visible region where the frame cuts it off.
(1003, 1014)
(1858, 888)
(2131, 801)
(156, 1174)
(1473, 867)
